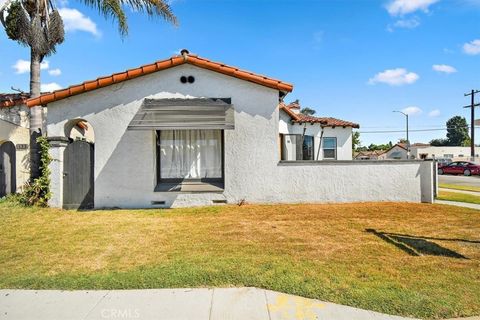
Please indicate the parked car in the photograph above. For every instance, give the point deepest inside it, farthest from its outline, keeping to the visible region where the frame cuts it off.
(442, 162)
(460, 167)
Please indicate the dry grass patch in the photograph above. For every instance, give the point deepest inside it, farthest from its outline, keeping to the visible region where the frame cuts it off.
(409, 259)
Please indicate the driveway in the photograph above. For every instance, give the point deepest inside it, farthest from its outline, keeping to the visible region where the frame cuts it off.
(473, 181)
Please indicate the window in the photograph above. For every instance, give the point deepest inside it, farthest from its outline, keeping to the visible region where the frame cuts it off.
(329, 147)
(297, 147)
(448, 156)
(307, 147)
(190, 155)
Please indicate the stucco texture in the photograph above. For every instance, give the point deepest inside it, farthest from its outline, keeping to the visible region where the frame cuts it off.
(17, 135)
(125, 161)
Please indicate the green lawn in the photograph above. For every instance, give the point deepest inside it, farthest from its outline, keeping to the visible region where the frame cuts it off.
(457, 196)
(459, 187)
(416, 260)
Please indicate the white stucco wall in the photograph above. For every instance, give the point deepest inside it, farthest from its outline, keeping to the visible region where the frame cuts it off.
(17, 135)
(354, 181)
(343, 135)
(125, 160)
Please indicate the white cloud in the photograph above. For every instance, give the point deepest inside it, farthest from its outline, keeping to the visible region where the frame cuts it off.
(394, 77)
(407, 23)
(444, 68)
(49, 87)
(401, 7)
(55, 72)
(75, 20)
(23, 66)
(434, 113)
(412, 111)
(472, 47)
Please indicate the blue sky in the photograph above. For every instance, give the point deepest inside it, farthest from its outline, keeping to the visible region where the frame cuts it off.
(355, 60)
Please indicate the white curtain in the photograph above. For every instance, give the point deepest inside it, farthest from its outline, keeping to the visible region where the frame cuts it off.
(190, 154)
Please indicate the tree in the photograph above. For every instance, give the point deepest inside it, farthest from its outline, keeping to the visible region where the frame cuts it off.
(37, 24)
(308, 111)
(457, 131)
(439, 142)
(355, 140)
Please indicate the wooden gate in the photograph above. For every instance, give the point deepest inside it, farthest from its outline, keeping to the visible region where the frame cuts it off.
(8, 177)
(78, 183)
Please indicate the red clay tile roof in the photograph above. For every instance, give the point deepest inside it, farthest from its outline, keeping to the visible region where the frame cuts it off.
(334, 122)
(419, 144)
(12, 99)
(325, 121)
(369, 153)
(158, 66)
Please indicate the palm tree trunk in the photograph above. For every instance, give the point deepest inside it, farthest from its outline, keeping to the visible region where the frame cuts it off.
(36, 115)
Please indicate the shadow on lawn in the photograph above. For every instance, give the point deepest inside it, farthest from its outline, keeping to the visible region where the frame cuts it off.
(417, 245)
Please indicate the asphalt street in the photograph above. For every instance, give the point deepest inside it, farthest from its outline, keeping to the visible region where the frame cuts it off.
(473, 181)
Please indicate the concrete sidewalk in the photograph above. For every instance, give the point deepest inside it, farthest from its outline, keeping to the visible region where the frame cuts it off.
(172, 304)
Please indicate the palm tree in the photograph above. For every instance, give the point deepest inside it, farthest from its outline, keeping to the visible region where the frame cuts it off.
(37, 24)
(308, 111)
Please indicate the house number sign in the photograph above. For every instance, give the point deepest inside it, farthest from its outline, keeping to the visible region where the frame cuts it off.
(22, 146)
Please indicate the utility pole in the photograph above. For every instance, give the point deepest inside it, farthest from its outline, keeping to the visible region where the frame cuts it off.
(408, 141)
(472, 120)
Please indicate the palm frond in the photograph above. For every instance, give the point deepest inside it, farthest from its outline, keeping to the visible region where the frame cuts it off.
(114, 9)
(56, 31)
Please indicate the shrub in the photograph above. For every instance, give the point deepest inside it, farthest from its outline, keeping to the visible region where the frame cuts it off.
(37, 192)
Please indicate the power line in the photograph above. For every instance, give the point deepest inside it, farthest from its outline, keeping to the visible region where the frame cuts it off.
(416, 130)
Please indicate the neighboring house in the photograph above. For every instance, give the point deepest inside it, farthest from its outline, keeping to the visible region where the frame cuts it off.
(189, 131)
(419, 151)
(426, 151)
(305, 137)
(369, 155)
(14, 142)
(396, 152)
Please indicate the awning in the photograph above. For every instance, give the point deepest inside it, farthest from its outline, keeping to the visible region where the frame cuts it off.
(178, 114)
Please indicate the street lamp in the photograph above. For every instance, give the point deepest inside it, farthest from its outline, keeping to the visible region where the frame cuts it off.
(408, 141)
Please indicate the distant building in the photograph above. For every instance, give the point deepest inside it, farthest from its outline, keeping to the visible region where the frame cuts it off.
(419, 151)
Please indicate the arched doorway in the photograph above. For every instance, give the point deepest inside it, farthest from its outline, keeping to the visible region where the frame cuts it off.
(78, 166)
(8, 177)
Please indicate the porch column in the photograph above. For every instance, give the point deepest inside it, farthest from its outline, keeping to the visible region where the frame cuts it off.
(57, 147)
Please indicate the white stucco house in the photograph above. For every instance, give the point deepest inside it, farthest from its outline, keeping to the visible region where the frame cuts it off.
(14, 143)
(306, 137)
(189, 131)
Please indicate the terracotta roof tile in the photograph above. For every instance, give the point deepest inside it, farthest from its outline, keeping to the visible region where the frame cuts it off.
(12, 99)
(333, 122)
(325, 121)
(158, 66)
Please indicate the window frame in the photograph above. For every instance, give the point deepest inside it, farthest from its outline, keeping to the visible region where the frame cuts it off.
(161, 180)
(313, 147)
(282, 146)
(323, 148)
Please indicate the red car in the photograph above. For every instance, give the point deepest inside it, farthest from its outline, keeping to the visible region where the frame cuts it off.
(460, 167)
